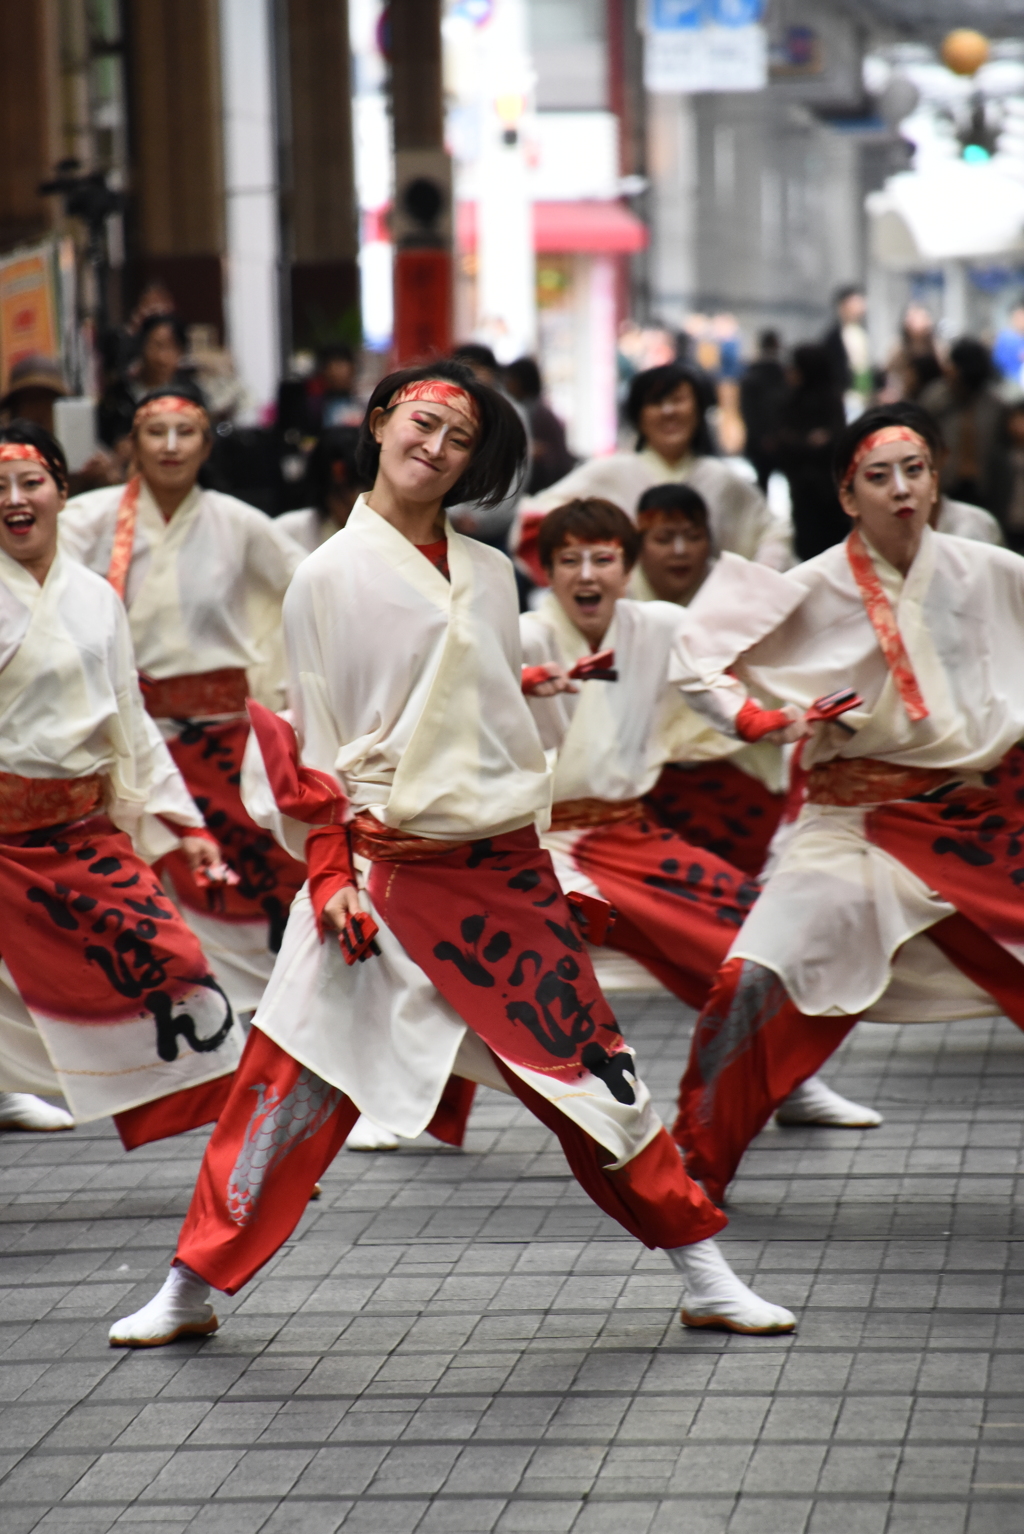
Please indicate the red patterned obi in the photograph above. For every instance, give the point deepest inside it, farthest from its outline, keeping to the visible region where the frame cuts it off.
(29, 804)
(584, 814)
(201, 696)
(853, 781)
(383, 844)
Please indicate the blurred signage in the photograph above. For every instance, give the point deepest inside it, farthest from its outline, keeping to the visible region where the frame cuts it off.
(705, 45)
(28, 308)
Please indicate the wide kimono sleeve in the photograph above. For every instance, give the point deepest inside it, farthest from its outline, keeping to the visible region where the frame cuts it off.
(146, 790)
(271, 559)
(738, 606)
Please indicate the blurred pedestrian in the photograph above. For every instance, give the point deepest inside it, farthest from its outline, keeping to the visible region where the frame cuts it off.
(810, 424)
(914, 362)
(325, 399)
(668, 408)
(1008, 350)
(970, 414)
(159, 364)
(848, 349)
(1011, 503)
(550, 457)
(33, 388)
(335, 485)
(763, 388)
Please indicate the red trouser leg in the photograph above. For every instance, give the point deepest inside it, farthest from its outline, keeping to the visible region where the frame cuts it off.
(751, 1047)
(651, 1196)
(984, 961)
(280, 1129)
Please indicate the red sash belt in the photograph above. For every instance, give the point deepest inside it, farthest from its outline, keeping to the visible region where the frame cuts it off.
(583, 814)
(29, 804)
(200, 696)
(865, 780)
(383, 844)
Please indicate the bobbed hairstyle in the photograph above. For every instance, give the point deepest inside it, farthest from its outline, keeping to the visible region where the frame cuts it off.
(902, 413)
(591, 521)
(655, 384)
(674, 501)
(332, 465)
(44, 442)
(185, 391)
(499, 459)
(155, 321)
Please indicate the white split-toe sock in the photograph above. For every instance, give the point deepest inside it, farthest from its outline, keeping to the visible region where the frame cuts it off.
(714, 1296)
(365, 1135)
(814, 1103)
(181, 1309)
(21, 1110)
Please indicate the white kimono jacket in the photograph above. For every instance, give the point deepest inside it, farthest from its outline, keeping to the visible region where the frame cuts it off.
(407, 689)
(70, 708)
(837, 909)
(740, 520)
(204, 590)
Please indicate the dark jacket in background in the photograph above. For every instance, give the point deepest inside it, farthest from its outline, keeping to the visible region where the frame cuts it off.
(812, 419)
(763, 391)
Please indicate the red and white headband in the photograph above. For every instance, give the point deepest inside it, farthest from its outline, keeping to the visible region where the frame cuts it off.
(171, 403)
(17, 452)
(437, 391)
(879, 439)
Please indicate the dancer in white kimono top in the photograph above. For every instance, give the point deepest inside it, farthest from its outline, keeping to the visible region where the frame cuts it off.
(419, 756)
(202, 576)
(901, 894)
(105, 995)
(667, 407)
(678, 906)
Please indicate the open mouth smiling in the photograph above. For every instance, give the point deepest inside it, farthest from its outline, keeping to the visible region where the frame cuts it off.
(19, 521)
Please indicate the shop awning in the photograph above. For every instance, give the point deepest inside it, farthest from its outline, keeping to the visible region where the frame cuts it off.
(570, 228)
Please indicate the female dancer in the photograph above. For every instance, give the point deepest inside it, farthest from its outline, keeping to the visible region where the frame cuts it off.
(202, 576)
(104, 992)
(421, 757)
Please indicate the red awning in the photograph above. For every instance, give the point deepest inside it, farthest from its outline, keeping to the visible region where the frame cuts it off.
(568, 228)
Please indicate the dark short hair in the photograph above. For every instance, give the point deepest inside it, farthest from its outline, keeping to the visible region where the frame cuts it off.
(44, 442)
(475, 351)
(154, 321)
(591, 521)
(187, 391)
(848, 290)
(903, 413)
(675, 501)
(335, 351)
(499, 458)
(655, 384)
(972, 360)
(527, 375)
(332, 465)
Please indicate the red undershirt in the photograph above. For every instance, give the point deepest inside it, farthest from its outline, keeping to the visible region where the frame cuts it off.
(437, 553)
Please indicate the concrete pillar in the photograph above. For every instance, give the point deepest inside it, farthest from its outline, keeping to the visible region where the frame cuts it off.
(176, 224)
(321, 213)
(29, 118)
(250, 192)
(422, 220)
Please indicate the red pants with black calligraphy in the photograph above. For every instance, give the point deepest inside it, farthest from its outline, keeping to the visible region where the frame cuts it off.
(718, 806)
(490, 927)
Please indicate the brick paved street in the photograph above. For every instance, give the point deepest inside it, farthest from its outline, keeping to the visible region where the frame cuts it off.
(459, 1342)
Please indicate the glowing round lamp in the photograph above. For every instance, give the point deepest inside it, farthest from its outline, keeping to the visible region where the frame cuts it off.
(964, 51)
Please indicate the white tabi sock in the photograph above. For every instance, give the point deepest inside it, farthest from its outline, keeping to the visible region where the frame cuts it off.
(714, 1296)
(365, 1135)
(179, 1309)
(814, 1103)
(23, 1110)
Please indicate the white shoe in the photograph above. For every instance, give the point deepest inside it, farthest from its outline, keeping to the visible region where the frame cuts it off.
(815, 1103)
(365, 1135)
(21, 1110)
(715, 1297)
(180, 1309)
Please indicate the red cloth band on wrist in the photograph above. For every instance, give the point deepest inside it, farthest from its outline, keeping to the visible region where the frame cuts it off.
(177, 829)
(533, 676)
(329, 859)
(754, 723)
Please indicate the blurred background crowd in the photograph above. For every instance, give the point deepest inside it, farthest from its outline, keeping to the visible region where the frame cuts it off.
(810, 207)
